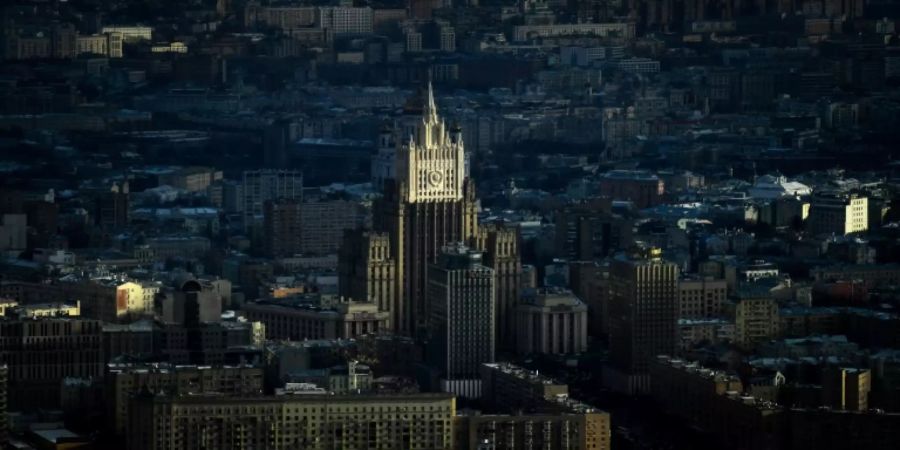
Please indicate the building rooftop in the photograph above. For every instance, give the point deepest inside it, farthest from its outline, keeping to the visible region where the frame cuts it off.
(695, 368)
(349, 398)
(56, 436)
(640, 175)
(552, 297)
(524, 374)
(162, 367)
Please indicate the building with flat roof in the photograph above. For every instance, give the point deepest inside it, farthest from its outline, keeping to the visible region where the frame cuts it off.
(260, 186)
(4, 391)
(567, 431)
(712, 400)
(461, 296)
(643, 309)
(846, 388)
(35, 310)
(300, 318)
(122, 381)
(838, 213)
(551, 321)
(772, 187)
(130, 33)
(507, 387)
(500, 244)
(624, 30)
(352, 378)
(292, 421)
(755, 318)
(41, 352)
(701, 297)
(642, 188)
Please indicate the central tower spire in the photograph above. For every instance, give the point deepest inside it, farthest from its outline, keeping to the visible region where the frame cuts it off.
(431, 164)
(429, 112)
(429, 205)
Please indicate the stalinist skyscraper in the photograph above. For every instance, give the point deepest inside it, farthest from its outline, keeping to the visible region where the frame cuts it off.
(428, 202)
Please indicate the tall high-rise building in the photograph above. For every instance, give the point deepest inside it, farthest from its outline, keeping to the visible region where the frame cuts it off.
(383, 168)
(4, 421)
(643, 308)
(323, 222)
(111, 208)
(429, 204)
(276, 137)
(262, 185)
(461, 293)
(366, 272)
(281, 222)
(500, 244)
(13, 233)
(588, 230)
(308, 227)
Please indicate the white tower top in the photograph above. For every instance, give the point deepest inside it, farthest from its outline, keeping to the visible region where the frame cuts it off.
(432, 159)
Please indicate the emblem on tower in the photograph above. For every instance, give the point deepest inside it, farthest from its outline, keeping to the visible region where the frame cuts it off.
(432, 161)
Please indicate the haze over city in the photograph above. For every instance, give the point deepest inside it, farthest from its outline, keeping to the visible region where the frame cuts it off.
(449, 225)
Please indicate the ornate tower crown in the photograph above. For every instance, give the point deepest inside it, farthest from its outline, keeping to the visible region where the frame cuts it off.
(432, 160)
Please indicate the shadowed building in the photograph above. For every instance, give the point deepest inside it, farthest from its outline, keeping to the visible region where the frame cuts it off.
(307, 421)
(578, 431)
(40, 353)
(461, 293)
(643, 310)
(500, 244)
(430, 204)
(366, 271)
(551, 321)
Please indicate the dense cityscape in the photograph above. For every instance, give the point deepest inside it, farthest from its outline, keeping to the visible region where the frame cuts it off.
(426, 224)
